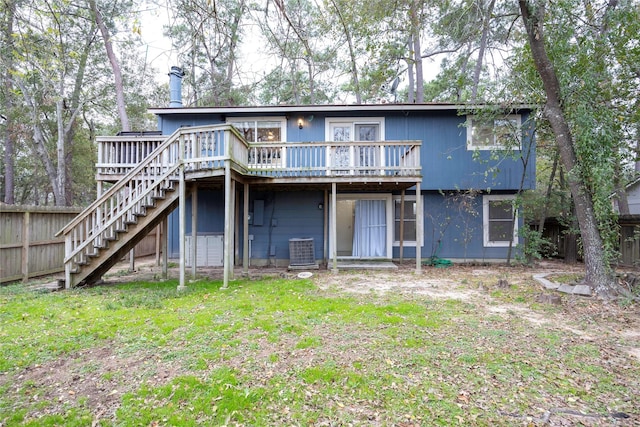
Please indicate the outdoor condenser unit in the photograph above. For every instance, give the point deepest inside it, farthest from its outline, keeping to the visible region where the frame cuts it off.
(301, 252)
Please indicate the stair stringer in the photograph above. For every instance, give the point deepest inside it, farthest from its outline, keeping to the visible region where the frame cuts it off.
(107, 258)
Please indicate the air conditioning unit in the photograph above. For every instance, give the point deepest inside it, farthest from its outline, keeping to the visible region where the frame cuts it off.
(301, 253)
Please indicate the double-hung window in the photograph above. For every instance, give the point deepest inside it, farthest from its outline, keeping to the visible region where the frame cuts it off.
(500, 222)
(265, 136)
(494, 134)
(409, 223)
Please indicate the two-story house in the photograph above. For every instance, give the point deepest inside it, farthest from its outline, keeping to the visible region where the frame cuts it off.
(304, 184)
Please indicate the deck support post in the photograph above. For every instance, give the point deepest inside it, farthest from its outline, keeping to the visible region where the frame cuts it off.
(245, 229)
(227, 225)
(158, 243)
(182, 227)
(325, 228)
(334, 234)
(232, 228)
(401, 249)
(68, 248)
(132, 259)
(165, 247)
(419, 228)
(194, 231)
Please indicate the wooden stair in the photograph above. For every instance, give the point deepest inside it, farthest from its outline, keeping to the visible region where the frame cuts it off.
(120, 218)
(108, 252)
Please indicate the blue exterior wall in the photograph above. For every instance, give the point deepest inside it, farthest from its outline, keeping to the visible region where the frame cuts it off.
(453, 230)
(446, 165)
(296, 215)
(286, 215)
(446, 162)
(210, 218)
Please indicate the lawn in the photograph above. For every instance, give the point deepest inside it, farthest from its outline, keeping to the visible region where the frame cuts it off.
(444, 348)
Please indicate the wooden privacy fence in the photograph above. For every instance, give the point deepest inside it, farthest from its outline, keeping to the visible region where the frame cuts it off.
(28, 247)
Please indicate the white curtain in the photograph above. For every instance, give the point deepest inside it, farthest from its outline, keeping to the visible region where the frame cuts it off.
(370, 229)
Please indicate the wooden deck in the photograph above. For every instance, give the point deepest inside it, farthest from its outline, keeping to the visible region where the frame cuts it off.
(205, 150)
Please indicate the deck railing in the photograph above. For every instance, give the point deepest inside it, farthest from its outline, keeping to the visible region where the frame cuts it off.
(207, 149)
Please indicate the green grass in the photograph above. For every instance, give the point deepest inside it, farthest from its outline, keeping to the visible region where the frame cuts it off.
(283, 352)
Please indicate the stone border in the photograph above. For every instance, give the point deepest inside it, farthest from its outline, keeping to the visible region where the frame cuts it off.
(583, 290)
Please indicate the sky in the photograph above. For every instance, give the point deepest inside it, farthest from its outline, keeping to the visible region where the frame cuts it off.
(155, 46)
(254, 61)
(160, 55)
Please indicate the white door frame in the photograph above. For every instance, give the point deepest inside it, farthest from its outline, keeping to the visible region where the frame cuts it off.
(388, 199)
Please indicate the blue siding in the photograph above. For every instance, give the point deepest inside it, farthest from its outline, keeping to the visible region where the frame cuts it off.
(446, 162)
(454, 231)
(210, 218)
(446, 165)
(286, 215)
(169, 124)
(450, 231)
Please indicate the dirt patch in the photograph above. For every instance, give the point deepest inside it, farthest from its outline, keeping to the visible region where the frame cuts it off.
(475, 285)
(96, 378)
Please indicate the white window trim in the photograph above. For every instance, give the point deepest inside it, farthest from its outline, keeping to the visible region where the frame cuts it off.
(472, 147)
(485, 221)
(281, 119)
(406, 243)
(353, 121)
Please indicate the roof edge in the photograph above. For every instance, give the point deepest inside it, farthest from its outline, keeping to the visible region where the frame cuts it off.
(333, 108)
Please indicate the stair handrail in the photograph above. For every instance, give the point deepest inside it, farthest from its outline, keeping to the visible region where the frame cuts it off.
(144, 163)
(112, 221)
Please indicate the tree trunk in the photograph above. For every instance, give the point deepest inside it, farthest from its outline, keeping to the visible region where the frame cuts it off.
(412, 92)
(234, 37)
(308, 56)
(621, 192)
(547, 196)
(637, 159)
(352, 55)
(115, 67)
(483, 45)
(598, 273)
(61, 170)
(417, 51)
(7, 87)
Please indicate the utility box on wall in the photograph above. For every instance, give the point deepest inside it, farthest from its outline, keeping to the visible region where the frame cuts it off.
(209, 250)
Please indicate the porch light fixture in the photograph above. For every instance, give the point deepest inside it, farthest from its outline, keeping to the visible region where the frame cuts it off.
(300, 123)
(320, 206)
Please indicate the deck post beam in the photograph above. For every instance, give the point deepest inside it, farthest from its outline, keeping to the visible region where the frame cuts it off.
(401, 249)
(232, 227)
(419, 228)
(227, 225)
(245, 229)
(182, 217)
(165, 247)
(194, 231)
(334, 234)
(325, 228)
